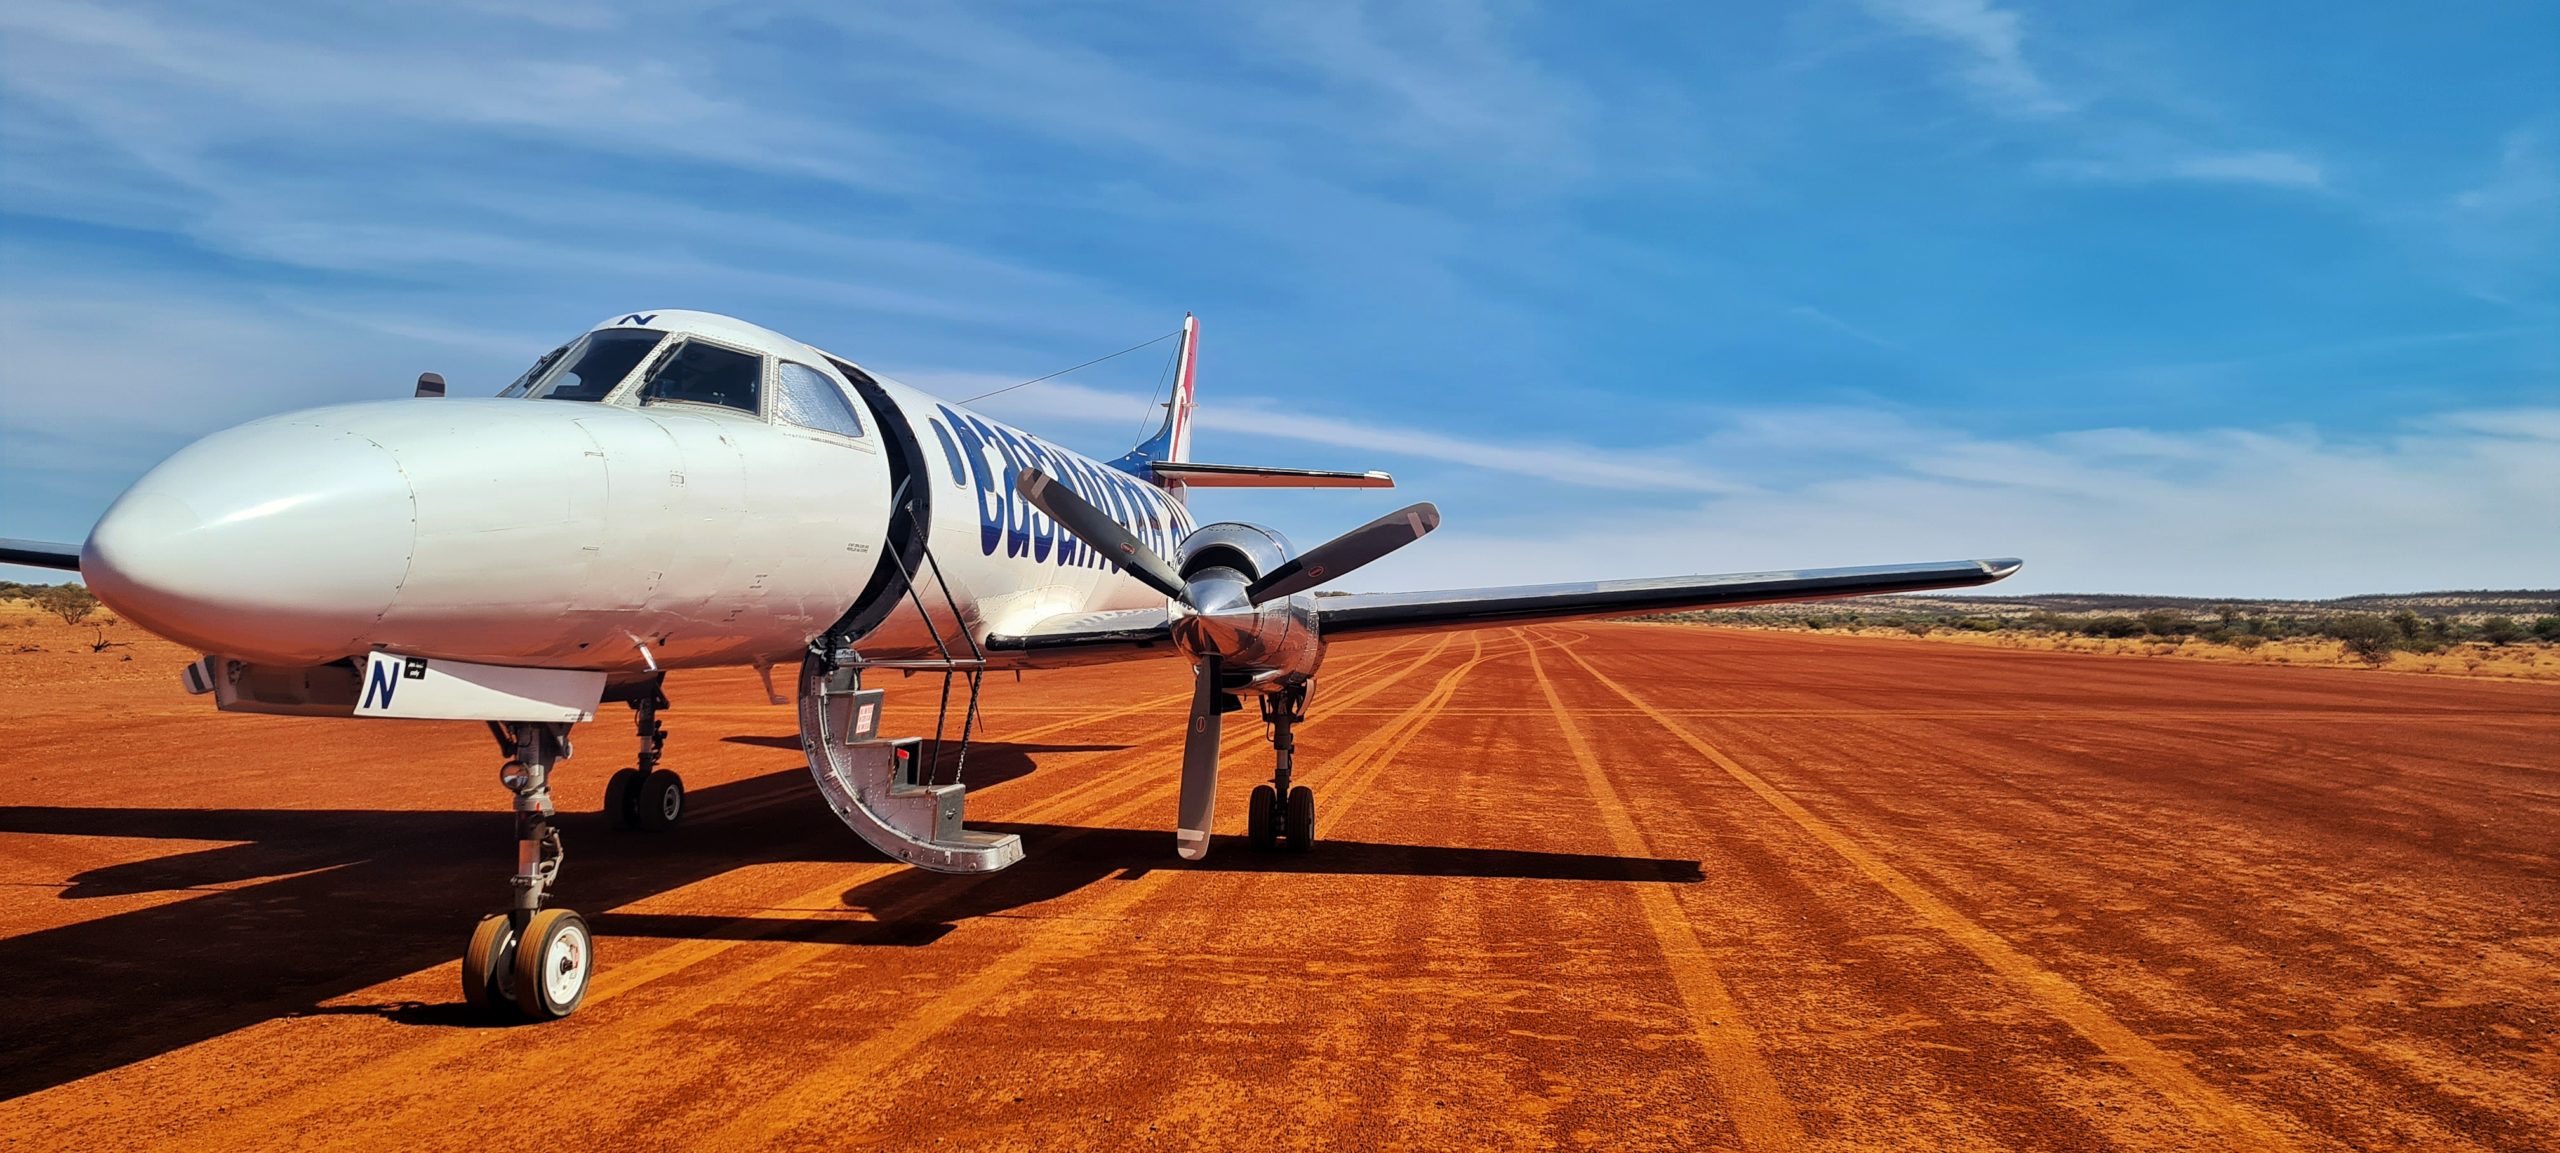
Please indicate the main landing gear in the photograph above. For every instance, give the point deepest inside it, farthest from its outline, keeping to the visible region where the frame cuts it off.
(1281, 815)
(537, 959)
(647, 797)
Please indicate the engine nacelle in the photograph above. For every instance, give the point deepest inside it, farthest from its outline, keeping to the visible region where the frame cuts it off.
(1267, 646)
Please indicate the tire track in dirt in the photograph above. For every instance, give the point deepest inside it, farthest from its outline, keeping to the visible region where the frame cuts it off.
(763, 1122)
(406, 1072)
(1760, 1111)
(2204, 1106)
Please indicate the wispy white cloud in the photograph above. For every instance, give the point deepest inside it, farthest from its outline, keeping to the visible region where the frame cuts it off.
(1844, 328)
(2460, 500)
(1991, 42)
(2183, 163)
(1246, 420)
(2504, 232)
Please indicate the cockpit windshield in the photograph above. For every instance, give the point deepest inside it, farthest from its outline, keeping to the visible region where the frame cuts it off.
(588, 368)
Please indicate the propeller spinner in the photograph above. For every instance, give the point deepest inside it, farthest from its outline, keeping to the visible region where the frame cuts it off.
(1217, 617)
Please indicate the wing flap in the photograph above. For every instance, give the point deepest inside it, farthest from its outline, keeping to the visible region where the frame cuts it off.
(1257, 476)
(1471, 608)
(40, 554)
(1086, 638)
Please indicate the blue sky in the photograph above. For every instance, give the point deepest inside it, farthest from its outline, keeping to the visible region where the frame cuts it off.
(2180, 298)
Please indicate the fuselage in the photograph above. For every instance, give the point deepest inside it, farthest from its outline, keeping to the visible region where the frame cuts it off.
(672, 489)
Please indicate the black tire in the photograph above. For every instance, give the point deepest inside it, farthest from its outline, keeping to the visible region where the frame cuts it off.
(1302, 819)
(554, 964)
(488, 965)
(660, 800)
(622, 798)
(1261, 813)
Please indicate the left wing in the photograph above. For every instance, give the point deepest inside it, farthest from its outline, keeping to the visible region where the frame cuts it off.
(39, 554)
(1088, 638)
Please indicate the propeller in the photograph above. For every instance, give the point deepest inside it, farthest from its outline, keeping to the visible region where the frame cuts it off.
(1217, 599)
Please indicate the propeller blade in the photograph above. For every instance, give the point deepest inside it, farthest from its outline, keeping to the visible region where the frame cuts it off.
(1344, 553)
(1199, 765)
(1077, 515)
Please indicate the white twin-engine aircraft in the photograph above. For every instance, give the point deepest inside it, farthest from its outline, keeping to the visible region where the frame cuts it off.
(678, 489)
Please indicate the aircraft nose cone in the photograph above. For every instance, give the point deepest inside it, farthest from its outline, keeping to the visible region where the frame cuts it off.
(279, 541)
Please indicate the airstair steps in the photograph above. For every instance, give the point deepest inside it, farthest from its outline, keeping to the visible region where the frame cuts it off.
(874, 785)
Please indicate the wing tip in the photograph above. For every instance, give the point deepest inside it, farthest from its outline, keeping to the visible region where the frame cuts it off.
(2001, 568)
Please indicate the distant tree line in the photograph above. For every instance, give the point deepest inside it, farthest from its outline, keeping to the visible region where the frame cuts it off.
(2371, 636)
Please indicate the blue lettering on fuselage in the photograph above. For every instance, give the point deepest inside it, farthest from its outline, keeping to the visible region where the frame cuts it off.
(1007, 521)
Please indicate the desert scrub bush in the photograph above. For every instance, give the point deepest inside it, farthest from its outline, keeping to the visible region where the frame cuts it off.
(2111, 626)
(2164, 623)
(2370, 638)
(2501, 631)
(70, 602)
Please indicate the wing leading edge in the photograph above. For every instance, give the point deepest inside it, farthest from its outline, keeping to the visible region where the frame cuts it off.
(38, 554)
(1361, 613)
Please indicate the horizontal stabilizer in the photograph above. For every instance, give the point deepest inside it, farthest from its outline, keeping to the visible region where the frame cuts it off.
(39, 554)
(1256, 476)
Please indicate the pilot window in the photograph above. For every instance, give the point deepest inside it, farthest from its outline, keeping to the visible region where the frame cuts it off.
(534, 373)
(805, 397)
(597, 362)
(699, 373)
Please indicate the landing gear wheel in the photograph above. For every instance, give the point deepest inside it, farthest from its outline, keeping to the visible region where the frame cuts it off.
(488, 966)
(553, 963)
(622, 798)
(1261, 813)
(1302, 819)
(660, 800)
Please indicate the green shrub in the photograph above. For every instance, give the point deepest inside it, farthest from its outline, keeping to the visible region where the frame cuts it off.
(2111, 626)
(2548, 628)
(2369, 637)
(74, 604)
(2501, 630)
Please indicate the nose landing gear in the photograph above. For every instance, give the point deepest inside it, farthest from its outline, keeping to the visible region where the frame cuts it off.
(1279, 815)
(537, 959)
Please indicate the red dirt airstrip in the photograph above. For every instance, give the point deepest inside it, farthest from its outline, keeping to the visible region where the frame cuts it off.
(1606, 886)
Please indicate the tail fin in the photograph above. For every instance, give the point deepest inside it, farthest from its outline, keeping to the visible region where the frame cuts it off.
(1165, 458)
(1171, 443)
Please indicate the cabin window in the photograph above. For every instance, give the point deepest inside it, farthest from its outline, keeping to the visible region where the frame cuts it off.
(805, 397)
(699, 373)
(590, 368)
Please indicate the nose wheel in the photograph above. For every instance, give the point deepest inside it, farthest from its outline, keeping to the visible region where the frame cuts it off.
(530, 960)
(1279, 816)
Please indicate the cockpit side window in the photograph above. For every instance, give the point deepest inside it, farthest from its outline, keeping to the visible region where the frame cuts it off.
(534, 373)
(805, 397)
(591, 367)
(699, 373)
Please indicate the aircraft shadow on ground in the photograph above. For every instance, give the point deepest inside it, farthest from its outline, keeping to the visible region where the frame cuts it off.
(311, 905)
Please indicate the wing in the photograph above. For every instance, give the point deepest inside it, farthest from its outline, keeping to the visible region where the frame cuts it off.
(1257, 476)
(39, 554)
(1087, 638)
(1092, 638)
(1471, 608)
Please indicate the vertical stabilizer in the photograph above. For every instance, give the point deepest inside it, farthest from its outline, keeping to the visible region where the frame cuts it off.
(1171, 443)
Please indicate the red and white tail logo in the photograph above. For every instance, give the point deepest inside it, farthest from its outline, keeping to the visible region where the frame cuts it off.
(1186, 364)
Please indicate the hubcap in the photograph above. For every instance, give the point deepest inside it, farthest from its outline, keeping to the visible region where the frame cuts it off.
(564, 965)
(671, 803)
